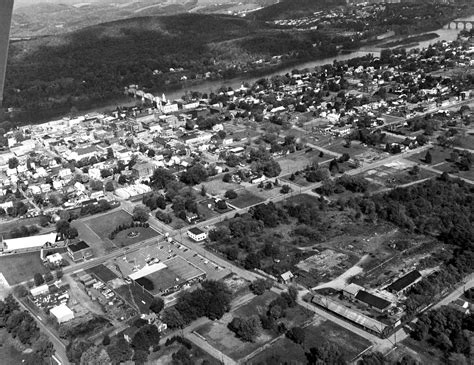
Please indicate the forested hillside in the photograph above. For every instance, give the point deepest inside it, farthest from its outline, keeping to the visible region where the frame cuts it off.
(94, 65)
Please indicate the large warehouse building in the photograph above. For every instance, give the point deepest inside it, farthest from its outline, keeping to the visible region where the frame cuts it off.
(6, 9)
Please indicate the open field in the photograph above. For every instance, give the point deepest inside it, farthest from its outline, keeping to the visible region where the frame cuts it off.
(300, 160)
(426, 353)
(300, 180)
(245, 199)
(99, 246)
(283, 351)
(21, 267)
(103, 225)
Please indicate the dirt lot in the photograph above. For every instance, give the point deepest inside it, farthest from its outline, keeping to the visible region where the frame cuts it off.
(21, 267)
(320, 332)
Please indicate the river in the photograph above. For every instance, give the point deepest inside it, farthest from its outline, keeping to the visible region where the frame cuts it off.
(444, 33)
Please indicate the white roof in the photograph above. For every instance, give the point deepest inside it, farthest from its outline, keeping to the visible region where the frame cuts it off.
(39, 290)
(29, 242)
(353, 289)
(287, 275)
(62, 311)
(147, 270)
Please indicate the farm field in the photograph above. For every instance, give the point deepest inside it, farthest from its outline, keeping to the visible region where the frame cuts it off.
(21, 267)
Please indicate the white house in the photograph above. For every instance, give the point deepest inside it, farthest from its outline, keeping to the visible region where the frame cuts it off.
(197, 235)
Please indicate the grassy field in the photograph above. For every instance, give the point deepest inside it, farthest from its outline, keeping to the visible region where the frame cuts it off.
(448, 167)
(339, 146)
(122, 239)
(300, 180)
(218, 187)
(466, 141)
(103, 225)
(245, 199)
(21, 267)
(438, 155)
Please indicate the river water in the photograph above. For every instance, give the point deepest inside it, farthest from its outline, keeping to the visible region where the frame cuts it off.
(444, 33)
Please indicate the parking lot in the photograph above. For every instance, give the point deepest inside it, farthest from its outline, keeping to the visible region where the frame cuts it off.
(163, 251)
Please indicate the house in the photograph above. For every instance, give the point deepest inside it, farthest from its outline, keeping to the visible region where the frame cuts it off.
(405, 282)
(143, 170)
(79, 251)
(286, 277)
(373, 301)
(461, 305)
(40, 290)
(62, 313)
(197, 235)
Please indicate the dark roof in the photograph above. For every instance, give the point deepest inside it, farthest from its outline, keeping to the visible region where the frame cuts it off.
(196, 231)
(79, 246)
(372, 300)
(404, 281)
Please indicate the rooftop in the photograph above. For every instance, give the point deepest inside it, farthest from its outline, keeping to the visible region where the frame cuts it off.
(79, 246)
(372, 300)
(404, 281)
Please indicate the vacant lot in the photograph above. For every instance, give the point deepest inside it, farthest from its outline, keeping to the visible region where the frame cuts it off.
(220, 337)
(284, 351)
(21, 267)
(217, 187)
(245, 199)
(348, 342)
(8, 353)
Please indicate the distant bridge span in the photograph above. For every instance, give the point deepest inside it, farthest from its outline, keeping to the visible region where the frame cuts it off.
(461, 24)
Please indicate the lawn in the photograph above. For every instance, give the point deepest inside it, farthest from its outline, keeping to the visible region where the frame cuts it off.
(438, 155)
(165, 355)
(339, 146)
(123, 239)
(245, 199)
(466, 141)
(300, 180)
(21, 267)
(448, 167)
(105, 224)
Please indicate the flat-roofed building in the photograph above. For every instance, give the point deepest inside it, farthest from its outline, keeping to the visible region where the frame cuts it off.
(405, 282)
(79, 251)
(197, 235)
(26, 244)
(62, 313)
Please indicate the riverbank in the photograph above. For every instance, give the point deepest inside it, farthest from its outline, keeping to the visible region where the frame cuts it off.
(410, 41)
